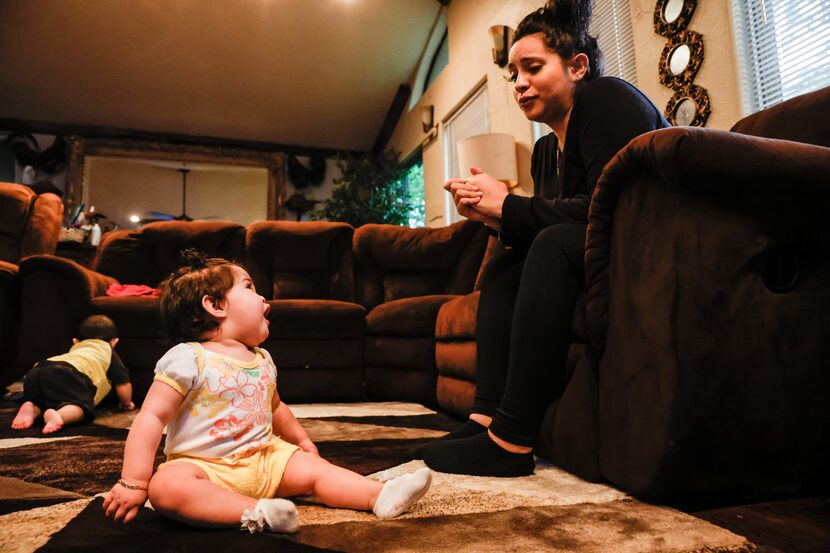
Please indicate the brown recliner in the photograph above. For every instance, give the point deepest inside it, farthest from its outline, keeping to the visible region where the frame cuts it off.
(705, 353)
(59, 293)
(304, 270)
(29, 225)
(402, 277)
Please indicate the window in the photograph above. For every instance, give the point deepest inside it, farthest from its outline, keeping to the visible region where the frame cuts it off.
(439, 62)
(414, 189)
(611, 25)
(782, 49)
(469, 120)
(435, 57)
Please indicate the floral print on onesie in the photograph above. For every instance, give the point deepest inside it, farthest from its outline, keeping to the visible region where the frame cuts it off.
(226, 411)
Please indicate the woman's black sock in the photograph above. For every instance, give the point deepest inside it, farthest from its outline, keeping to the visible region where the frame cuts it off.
(466, 430)
(469, 428)
(478, 455)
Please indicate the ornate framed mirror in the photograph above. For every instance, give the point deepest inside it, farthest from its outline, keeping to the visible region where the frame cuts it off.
(681, 59)
(82, 149)
(689, 107)
(673, 16)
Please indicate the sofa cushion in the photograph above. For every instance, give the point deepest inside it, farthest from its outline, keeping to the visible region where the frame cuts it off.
(215, 239)
(149, 254)
(393, 263)
(299, 260)
(805, 118)
(315, 320)
(15, 204)
(124, 255)
(409, 317)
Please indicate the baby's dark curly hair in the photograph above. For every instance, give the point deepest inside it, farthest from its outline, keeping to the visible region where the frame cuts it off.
(183, 317)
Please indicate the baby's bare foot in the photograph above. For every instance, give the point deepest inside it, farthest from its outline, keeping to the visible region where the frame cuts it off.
(25, 416)
(53, 420)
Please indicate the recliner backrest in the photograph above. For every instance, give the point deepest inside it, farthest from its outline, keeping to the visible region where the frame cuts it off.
(394, 262)
(805, 118)
(301, 260)
(29, 223)
(147, 255)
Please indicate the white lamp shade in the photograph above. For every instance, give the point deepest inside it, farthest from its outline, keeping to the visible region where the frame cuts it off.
(493, 153)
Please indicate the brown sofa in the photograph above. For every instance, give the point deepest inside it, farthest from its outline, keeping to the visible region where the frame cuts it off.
(29, 225)
(307, 273)
(700, 349)
(403, 277)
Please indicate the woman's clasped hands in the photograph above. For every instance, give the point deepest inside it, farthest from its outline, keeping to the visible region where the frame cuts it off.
(478, 197)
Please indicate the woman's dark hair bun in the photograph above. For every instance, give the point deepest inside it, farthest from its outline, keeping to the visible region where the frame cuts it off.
(564, 24)
(574, 15)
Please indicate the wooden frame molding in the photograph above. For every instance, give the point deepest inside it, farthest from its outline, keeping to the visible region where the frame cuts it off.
(80, 148)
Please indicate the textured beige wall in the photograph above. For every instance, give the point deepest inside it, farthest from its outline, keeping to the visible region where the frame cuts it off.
(119, 188)
(719, 71)
(470, 61)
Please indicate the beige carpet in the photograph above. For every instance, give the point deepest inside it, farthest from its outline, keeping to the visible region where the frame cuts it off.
(548, 511)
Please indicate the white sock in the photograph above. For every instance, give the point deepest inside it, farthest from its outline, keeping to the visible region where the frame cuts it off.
(277, 515)
(402, 492)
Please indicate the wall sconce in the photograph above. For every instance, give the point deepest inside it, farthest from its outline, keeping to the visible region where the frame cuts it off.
(427, 117)
(493, 153)
(502, 37)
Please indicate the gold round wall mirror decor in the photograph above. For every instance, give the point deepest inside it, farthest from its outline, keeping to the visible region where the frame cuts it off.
(689, 107)
(681, 59)
(673, 16)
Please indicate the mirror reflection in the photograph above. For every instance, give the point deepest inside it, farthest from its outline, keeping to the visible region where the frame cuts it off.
(685, 112)
(149, 189)
(679, 59)
(672, 10)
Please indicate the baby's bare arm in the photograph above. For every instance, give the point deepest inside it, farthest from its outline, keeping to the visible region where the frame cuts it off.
(125, 395)
(287, 426)
(122, 503)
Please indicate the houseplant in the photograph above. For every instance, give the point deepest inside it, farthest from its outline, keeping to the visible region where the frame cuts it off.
(370, 189)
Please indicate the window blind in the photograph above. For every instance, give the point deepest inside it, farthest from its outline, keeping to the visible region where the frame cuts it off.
(782, 48)
(611, 26)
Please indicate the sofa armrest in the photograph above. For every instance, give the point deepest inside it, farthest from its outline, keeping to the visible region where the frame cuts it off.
(7, 270)
(57, 294)
(737, 171)
(78, 281)
(707, 259)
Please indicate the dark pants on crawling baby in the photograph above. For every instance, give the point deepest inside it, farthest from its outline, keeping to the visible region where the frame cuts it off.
(53, 384)
(523, 330)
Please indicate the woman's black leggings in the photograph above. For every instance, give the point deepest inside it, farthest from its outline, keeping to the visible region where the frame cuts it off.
(523, 330)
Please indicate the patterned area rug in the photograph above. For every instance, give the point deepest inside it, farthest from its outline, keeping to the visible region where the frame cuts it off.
(51, 495)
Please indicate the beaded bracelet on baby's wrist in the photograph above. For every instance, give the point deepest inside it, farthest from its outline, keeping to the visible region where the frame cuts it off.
(129, 486)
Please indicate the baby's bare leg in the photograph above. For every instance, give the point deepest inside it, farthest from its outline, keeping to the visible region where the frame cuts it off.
(335, 486)
(339, 487)
(183, 491)
(55, 420)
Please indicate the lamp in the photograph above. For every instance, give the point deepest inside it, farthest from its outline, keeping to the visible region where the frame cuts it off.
(493, 153)
(502, 37)
(426, 117)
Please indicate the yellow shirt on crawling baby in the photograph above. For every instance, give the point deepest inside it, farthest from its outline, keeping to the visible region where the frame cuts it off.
(91, 357)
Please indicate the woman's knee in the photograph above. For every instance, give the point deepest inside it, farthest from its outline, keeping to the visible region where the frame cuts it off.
(556, 244)
(503, 267)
